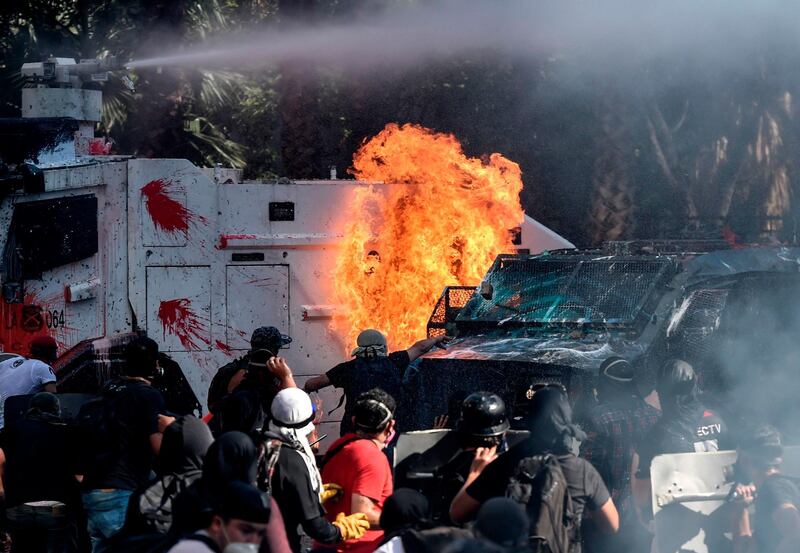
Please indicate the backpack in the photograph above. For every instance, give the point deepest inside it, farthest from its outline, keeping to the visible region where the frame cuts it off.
(539, 484)
(98, 428)
(154, 503)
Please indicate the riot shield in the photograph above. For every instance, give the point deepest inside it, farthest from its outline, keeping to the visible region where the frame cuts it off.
(689, 494)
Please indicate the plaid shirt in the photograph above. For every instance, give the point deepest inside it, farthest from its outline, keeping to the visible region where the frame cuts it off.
(613, 431)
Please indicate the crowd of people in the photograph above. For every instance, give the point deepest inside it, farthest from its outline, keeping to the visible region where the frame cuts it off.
(125, 475)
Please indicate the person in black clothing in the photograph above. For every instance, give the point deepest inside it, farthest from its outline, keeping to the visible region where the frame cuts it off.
(231, 457)
(133, 407)
(38, 467)
(619, 420)
(686, 426)
(777, 498)
(441, 471)
(551, 431)
(296, 483)
(372, 367)
(257, 377)
(229, 376)
(180, 463)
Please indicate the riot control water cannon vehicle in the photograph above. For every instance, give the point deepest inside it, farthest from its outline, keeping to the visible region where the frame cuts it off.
(97, 246)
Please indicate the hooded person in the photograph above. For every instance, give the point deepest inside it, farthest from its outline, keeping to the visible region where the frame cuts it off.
(404, 512)
(372, 366)
(233, 457)
(296, 484)
(180, 460)
(620, 419)
(552, 433)
(686, 425)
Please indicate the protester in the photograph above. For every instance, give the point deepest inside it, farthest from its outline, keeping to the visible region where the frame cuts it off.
(776, 525)
(21, 376)
(407, 527)
(685, 426)
(357, 464)
(620, 419)
(552, 433)
(481, 423)
(371, 367)
(296, 483)
(239, 518)
(247, 408)
(38, 467)
(180, 463)
(131, 440)
(264, 343)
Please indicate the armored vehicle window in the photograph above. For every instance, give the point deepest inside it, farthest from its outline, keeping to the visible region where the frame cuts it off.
(50, 233)
(568, 290)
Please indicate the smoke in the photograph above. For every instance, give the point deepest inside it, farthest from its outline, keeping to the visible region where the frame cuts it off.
(602, 36)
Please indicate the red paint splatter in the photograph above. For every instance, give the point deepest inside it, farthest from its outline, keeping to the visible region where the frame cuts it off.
(223, 347)
(99, 147)
(167, 213)
(179, 319)
(223, 239)
(20, 323)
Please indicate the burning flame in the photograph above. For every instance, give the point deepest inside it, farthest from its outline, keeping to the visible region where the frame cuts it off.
(441, 221)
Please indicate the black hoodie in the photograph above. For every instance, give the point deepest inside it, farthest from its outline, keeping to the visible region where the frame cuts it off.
(183, 448)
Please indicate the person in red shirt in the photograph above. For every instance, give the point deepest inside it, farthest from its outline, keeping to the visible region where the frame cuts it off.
(357, 463)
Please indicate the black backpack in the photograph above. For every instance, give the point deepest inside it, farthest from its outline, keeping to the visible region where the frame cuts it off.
(98, 428)
(539, 484)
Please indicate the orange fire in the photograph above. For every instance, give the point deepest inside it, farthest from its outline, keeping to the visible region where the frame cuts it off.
(442, 220)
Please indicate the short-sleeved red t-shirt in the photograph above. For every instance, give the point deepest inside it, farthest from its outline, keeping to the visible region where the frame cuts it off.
(359, 467)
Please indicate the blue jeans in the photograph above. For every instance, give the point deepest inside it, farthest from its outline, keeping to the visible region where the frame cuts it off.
(105, 512)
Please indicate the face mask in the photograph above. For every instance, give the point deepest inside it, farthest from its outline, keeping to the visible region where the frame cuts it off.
(238, 547)
(241, 548)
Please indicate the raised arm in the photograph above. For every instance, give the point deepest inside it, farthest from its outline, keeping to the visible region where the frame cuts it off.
(424, 346)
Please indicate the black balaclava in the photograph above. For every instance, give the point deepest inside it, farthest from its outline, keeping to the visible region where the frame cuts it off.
(404, 509)
(232, 457)
(550, 423)
(677, 390)
(615, 382)
(502, 521)
(184, 446)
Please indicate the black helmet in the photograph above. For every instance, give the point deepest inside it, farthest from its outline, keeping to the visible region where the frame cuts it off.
(483, 414)
(677, 378)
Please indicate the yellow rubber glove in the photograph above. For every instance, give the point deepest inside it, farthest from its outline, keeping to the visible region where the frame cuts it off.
(352, 527)
(330, 491)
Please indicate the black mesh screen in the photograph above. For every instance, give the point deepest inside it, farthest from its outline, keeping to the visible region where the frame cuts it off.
(554, 289)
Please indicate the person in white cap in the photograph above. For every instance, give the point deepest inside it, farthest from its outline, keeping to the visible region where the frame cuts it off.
(296, 483)
(371, 367)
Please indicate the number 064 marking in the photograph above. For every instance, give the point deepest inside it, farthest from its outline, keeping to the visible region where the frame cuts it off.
(54, 318)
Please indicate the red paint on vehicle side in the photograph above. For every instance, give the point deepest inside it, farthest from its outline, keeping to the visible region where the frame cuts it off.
(223, 239)
(179, 319)
(167, 213)
(20, 323)
(223, 347)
